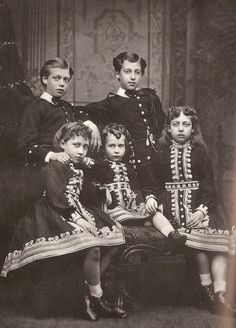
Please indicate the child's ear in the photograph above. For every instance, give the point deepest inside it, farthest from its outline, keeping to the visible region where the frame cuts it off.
(62, 144)
(45, 80)
(118, 76)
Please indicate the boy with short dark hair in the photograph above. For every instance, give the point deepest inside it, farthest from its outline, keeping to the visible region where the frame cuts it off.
(140, 110)
(46, 114)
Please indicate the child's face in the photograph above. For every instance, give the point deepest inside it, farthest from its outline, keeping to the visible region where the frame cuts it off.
(115, 148)
(181, 128)
(76, 148)
(130, 75)
(57, 82)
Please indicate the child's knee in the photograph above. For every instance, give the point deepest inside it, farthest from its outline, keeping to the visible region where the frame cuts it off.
(95, 253)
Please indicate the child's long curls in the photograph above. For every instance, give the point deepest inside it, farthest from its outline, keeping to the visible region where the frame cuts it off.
(174, 112)
(118, 130)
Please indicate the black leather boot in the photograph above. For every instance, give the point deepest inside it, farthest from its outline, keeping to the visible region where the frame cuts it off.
(207, 296)
(101, 307)
(119, 313)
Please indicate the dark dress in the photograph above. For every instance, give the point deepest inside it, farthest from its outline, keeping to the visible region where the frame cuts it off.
(141, 114)
(41, 121)
(184, 183)
(56, 223)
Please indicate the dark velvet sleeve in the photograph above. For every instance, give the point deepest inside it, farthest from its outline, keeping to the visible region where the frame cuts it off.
(153, 178)
(99, 112)
(80, 114)
(29, 135)
(96, 174)
(158, 115)
(207, 192)
(55, 175)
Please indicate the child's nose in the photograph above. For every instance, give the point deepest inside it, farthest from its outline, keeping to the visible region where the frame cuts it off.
(132, 76)
(80, 150)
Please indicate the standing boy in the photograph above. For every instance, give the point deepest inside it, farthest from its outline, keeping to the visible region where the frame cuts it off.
(48, 113)
(139, 110)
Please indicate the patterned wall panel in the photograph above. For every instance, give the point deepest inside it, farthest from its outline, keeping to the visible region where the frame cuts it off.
(178, 51)
(104, 29)
(155, 49)
(67, 36)
(216, 68)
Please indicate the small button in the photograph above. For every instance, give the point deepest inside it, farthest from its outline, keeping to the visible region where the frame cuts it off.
(140, 105)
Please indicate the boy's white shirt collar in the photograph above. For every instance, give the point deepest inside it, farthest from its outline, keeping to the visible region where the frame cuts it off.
(121, 92)
(46, 96)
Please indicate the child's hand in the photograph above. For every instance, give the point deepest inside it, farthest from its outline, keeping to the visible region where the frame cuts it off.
(151, 205)
(195, 219)
(95, 142)
(60, 157)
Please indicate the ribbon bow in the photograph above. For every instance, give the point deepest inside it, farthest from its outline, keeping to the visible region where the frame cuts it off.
(55, 100)
(134, 93)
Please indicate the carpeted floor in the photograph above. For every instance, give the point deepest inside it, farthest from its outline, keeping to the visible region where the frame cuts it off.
(144, 316)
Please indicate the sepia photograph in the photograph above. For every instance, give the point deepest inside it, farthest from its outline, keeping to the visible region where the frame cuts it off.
(117, 163)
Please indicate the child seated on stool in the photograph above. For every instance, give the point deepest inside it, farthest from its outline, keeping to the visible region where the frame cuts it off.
(119, 183)
(182, 184)
(58, 223)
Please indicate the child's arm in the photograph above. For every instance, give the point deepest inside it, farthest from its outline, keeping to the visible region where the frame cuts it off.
(37, 149)
(100, 113)
(206, 201)
(55, 176)
(82, 114)
(97, 174)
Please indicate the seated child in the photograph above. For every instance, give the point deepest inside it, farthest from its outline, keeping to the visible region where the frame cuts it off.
(181, 182)
(58, 223)
(121, 199)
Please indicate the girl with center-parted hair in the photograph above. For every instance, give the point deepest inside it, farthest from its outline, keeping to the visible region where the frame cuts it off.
(181, 188)
(58, 223)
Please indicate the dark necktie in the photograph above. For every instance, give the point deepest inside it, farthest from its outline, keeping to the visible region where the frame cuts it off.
(56, 100)
(134, 93)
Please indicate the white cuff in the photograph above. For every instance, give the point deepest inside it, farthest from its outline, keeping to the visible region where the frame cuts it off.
(47, 158)
(150, 196)
(203, 209)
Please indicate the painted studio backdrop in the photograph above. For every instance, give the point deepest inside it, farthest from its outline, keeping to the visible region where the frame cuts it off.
(190, 47)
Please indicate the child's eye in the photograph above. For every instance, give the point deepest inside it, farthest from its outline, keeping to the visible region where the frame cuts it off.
(56, 78)
(67, 79)
(138, 72)
(175, 124)
(187, 124)
(127, 71)
(121, 146)
(111, 145)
